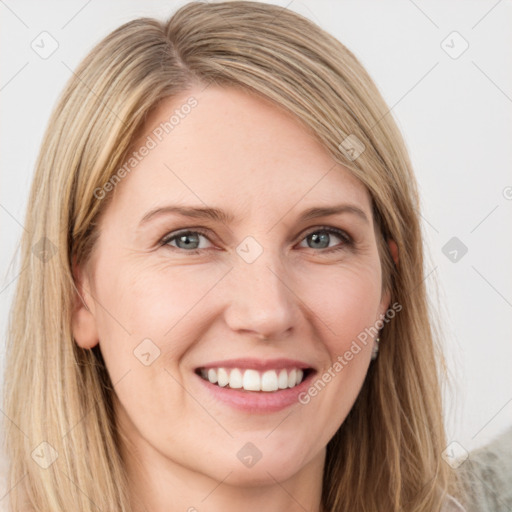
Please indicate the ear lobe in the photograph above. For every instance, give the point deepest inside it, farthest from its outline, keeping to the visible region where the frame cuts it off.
(83, 321)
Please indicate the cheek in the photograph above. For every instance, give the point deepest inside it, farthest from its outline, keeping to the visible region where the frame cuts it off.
(347, 307)
(346, 301)
(151, 302)
(149, 318)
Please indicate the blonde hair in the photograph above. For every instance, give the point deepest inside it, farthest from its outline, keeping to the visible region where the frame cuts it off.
(387, 453)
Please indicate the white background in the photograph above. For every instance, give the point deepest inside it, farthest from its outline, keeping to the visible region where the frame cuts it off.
(456, 117)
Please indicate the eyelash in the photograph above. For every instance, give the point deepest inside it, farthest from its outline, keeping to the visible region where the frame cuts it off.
(347, 240)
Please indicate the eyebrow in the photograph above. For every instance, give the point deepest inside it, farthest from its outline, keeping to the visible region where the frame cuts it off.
(325, 211)
(225, 217)
(190, 211)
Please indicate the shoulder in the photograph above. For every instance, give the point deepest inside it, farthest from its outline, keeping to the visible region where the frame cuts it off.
(496, 455)
(487, 474)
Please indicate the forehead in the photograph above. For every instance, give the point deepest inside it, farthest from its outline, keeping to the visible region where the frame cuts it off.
(233, 149)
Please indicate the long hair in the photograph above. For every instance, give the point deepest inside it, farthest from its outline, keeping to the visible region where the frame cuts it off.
(61, 436)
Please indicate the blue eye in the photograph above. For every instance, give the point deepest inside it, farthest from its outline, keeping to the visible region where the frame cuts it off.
(186, 240)
(190, 241)
(321, 238)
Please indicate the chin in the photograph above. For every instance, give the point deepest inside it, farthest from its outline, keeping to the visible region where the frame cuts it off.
(252, 468)
(259, 475)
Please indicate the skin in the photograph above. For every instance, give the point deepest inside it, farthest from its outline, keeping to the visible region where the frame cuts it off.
(239, 153)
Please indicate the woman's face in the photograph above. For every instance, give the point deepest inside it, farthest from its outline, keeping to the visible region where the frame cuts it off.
(256, 294)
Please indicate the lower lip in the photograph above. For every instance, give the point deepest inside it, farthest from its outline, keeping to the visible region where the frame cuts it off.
(258, 401)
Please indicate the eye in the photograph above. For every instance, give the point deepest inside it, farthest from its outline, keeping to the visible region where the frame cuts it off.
(321, 238)
(190, 241)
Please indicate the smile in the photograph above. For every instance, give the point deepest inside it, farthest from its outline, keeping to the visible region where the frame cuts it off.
(249, 379)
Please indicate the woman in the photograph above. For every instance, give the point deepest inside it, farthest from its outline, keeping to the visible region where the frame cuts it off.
(223, 305)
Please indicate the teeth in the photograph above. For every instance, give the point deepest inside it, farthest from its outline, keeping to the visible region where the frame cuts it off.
(253, 380)
(269, 381)
(282, 381)
(235, 379)
(223, 377)
(212, 376)
(292, 378)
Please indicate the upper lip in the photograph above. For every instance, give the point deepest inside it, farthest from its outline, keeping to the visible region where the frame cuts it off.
(258, 364)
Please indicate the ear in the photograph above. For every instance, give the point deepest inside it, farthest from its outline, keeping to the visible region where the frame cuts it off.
(83, 321)
(393, 249)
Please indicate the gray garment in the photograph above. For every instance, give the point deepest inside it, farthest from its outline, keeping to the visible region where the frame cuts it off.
(487, 476)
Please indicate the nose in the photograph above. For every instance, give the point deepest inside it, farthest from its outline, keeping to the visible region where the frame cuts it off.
(259, 298)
